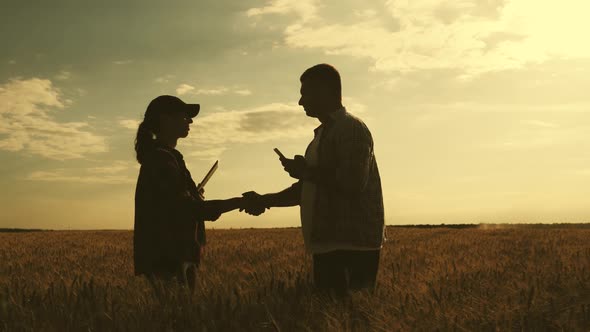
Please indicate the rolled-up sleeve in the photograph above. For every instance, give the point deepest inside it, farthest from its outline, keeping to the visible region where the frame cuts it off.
(294, 193)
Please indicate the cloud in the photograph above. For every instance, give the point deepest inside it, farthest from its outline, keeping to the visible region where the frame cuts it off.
(129, 123)
(63, 75)
(163, 79)
(580, 172)
(472, 36)
(123, 62)
(253, 125)
(496, 39)
(117, 166)
(207, 154)
(244, 92)
(305, 9)
(354, 106)
(81, 92)
(184, 89)
(110, 174)
(537, 134)
(214, 92)
(365, 13)
(212, 134)
(473, 107)
(542, 124)
(27, 122)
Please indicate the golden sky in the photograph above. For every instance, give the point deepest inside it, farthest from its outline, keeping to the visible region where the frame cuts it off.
(479, 109)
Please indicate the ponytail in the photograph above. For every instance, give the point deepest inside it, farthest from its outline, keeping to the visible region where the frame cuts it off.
(145, 141)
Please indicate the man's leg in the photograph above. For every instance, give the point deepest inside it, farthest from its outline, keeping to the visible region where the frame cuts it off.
(362, 268)
(191, 276)
(161, 281)
(329, 272)
(186, 276)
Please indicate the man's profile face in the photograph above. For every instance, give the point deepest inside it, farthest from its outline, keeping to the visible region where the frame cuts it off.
(311, 99)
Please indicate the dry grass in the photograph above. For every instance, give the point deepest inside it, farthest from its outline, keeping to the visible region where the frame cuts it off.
(440, 278)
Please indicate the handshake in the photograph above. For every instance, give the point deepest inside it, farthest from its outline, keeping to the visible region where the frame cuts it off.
(250, 202)
(253, 203)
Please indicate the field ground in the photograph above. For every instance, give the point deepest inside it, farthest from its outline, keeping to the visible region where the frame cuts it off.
(445, 278)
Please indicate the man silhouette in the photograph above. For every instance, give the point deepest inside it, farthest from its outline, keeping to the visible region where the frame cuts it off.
(339, 189)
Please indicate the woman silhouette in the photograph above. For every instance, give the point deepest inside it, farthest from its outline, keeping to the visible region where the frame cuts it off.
(169, 210)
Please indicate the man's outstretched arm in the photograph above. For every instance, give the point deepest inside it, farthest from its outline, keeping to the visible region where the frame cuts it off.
(288, 197)
(256, 204)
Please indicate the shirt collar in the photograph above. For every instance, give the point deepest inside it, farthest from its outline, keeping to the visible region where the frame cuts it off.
(333, 118)
(173, 150)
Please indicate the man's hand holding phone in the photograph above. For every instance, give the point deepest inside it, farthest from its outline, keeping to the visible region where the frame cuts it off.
(296, 167)
(280, 154)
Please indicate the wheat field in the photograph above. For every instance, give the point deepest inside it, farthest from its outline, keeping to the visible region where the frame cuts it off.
(531, 278)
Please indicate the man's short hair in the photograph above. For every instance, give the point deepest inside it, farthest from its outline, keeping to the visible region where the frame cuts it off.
(327, 75)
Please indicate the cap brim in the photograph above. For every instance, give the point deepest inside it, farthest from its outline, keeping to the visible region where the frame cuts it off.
(193, 109)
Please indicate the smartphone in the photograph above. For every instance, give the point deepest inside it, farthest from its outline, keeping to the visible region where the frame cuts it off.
(282, 156)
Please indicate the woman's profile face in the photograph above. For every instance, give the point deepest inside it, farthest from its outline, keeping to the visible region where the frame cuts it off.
(175, 124)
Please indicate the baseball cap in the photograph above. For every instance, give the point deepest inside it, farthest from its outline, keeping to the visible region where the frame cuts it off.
(168, 104)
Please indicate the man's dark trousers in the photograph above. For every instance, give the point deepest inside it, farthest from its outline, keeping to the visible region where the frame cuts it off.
(343, 270)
